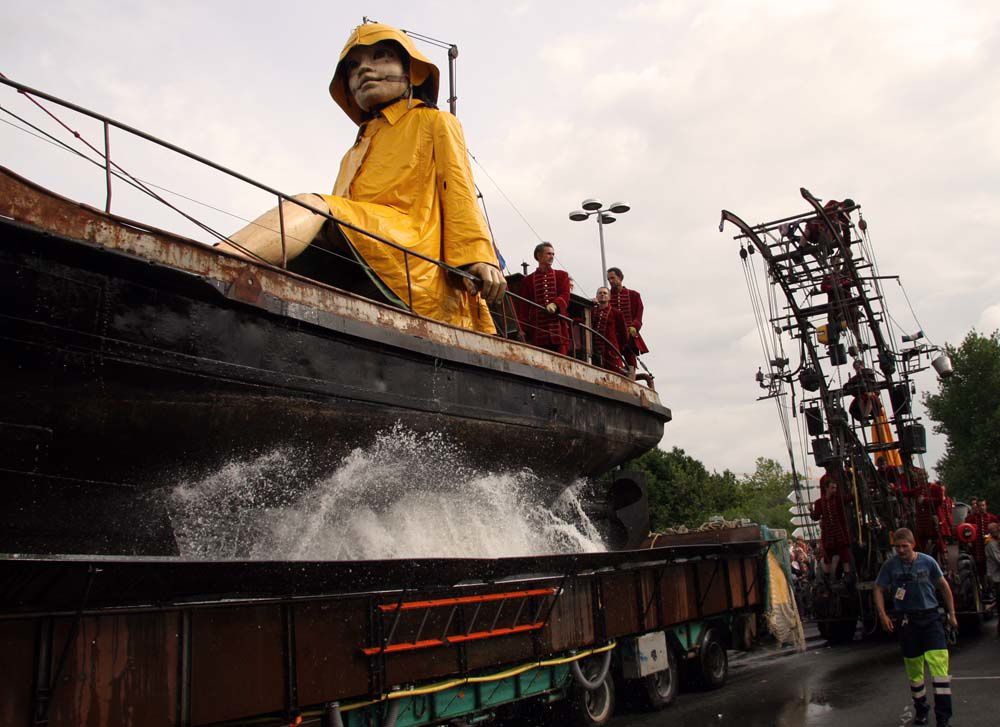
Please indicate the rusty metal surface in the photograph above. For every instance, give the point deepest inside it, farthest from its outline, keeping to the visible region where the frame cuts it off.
(294, 295)
(17, 645)
(120, 670)
(54, 584)
(572, 621)
(621, 600)
(327, 638)
(236, 663)
(168, 655)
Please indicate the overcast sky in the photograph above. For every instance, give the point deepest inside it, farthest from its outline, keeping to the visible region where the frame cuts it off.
(678, 108)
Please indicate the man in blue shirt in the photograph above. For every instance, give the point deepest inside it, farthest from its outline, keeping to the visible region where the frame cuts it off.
(913, 581)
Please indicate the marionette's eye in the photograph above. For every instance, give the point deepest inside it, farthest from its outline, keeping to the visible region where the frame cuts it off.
(350, 64)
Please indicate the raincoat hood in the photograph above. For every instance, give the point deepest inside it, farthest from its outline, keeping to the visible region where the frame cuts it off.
(422, 71)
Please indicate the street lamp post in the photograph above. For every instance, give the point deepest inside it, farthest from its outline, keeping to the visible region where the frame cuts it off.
(604, 216)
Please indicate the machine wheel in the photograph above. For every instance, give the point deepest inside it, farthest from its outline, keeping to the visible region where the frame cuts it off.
(971, 621)
(745, 631)
(841, 631)
(592, 707)
(712, 662)
(660, 688)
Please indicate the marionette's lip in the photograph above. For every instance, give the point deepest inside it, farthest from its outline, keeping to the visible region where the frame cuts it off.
(369, 80)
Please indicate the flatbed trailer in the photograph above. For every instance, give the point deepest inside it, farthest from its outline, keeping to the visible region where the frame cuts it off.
(160, 641)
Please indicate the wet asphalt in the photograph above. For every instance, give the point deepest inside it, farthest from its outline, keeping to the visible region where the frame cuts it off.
(861, 685)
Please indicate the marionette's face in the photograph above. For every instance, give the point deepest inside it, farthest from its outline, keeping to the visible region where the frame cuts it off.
(614, 279)
(375, 74)
(603, 296)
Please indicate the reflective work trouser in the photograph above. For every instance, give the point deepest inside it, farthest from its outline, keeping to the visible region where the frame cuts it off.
(924, 647)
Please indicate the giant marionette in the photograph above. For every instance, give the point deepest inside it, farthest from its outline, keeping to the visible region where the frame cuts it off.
(407, 179)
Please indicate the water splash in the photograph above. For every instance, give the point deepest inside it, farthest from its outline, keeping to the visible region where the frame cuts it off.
(405, 496)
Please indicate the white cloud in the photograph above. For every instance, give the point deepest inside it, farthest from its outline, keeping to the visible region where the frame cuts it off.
(989, 320)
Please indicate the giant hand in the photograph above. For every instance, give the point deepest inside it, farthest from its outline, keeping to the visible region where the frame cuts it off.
(493, 283)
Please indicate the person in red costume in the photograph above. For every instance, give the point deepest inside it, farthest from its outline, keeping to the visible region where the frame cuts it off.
(944, 511)
(927, 500)
(629, 304)
(981, 517)
(831, 512)
(611, 325)
(548, 288)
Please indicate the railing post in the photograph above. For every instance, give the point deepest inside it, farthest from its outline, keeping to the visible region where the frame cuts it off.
(107, 164)
(503, 311)
(281, 225)
(409, 287)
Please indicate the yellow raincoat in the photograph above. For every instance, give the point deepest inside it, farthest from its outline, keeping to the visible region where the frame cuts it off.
(407, 179)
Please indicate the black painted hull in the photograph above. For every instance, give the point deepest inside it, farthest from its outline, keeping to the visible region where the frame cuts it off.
(124, 377)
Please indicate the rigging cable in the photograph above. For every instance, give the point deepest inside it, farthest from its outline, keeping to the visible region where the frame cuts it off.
(504, 195)
(757, 301)
(134, 180)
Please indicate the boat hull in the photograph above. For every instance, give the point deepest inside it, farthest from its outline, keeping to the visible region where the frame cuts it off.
(126, 376)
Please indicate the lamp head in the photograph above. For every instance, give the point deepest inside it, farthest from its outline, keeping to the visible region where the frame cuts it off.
(619, 208)
(578, 215)
(591, 204)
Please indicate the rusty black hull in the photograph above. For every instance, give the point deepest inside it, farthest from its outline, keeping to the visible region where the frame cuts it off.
(124, 376)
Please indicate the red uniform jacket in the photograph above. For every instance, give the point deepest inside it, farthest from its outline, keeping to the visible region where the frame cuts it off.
(629, 304)
(927, 499)
(981, 521)
(830, 510)
(541, 327)
(610, 324)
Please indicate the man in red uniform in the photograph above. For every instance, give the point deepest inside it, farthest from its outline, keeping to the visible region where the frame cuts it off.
(831, 511)
(611, 324)
(981, 517)
(548, 288)
(629, 304)
(944, 511)
(927, 500)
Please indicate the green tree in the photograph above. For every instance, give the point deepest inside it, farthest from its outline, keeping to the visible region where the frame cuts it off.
(764, 496)
(966, 410)
(682, 491)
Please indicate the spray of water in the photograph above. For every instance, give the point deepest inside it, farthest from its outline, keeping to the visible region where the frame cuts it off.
(404, 496)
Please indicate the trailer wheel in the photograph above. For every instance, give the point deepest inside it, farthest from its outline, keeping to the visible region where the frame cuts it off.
(712, 665)
(660, 688)
(592, 707)
(841, 630)
(970, 622)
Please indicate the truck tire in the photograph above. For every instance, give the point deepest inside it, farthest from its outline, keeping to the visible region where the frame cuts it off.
(712, 662)
(660, 688)
(841, 630)
(969, 605)
(592, 707)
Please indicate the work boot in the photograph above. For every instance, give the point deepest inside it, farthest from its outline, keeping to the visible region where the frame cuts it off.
(921, 712)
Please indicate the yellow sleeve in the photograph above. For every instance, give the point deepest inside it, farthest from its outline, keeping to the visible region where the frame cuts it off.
(464, 236)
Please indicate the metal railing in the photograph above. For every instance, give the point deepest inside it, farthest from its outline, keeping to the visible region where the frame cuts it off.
(113, 170)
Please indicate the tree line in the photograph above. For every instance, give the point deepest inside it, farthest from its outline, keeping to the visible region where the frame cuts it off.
(683, 492)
